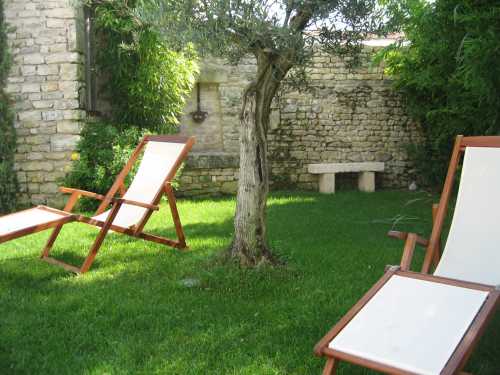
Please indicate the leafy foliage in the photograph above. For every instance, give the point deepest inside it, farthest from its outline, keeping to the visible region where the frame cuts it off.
(102, 152)
(233, 29)
(449, 73)
(8, 180)
(147, 82)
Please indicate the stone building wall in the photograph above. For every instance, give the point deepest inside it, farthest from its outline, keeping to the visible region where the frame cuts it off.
(46, 86)
(345, 115)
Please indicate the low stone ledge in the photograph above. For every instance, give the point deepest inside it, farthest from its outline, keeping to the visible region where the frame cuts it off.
(212, 161)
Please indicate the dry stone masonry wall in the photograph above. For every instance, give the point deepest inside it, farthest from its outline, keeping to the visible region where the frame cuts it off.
(46, 86)
(349, 115)
(345, 115)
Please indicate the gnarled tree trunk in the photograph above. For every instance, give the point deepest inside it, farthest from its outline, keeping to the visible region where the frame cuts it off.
(250, 245)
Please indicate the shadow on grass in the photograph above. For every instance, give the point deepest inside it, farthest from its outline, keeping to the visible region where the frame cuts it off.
(133, 314)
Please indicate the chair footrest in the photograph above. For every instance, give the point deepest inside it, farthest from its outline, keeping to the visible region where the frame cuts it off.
(66, 266)
(30, 221)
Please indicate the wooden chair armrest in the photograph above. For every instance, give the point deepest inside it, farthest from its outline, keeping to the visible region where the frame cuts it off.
(404, 235)
(135, 203)
(89, 194)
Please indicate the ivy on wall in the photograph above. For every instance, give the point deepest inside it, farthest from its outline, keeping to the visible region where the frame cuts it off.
(8, 181)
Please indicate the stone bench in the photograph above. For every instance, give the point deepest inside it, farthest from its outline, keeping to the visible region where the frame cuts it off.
(327, 171)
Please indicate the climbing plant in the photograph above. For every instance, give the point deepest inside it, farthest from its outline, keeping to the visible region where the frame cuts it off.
(8, 181)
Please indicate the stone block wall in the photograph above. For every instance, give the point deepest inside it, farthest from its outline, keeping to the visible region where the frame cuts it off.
(222, 85)
(348, 115)
(45, 83)
(345, 115)
(209, 174)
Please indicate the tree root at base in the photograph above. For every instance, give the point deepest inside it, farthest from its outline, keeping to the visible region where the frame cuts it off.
(252, 259)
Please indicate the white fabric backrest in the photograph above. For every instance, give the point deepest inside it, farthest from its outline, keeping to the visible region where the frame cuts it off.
(472, 251)
(157, 162)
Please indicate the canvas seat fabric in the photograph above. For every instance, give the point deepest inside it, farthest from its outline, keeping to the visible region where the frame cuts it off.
(156, 164)
(28, 218)
(411, 324)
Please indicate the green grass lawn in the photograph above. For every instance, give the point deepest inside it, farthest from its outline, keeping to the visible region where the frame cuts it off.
(131, 314)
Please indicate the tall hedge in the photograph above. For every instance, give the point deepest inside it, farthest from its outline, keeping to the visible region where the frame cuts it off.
(449, 73)
(8, 181)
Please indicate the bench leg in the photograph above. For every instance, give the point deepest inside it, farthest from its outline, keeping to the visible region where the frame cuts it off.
(366, 181)
(327, 183)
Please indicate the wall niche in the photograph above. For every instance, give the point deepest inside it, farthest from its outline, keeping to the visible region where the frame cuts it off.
(209, 132)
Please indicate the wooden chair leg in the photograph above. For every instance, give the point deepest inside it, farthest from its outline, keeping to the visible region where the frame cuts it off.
(50, 241)
(93, 250)
(100, 238)
(330, 367)
(73, 199)
(175, 216)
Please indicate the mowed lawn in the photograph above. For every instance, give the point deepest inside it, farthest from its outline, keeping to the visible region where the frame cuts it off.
(147, 309)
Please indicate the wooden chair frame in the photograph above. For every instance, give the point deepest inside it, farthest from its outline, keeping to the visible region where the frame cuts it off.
(110, 198)
(465, 348)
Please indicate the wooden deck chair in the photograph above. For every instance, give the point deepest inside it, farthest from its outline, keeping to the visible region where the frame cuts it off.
(162, 156)
(417, 323)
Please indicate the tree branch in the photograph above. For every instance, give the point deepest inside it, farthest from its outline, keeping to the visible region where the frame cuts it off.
(289, 9)
(304, 14)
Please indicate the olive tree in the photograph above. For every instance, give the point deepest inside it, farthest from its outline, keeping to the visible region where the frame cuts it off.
(282, 36)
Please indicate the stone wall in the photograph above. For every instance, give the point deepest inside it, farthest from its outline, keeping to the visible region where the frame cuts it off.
(345, 115)
(46, 86)
(221, 89)
(208, 174)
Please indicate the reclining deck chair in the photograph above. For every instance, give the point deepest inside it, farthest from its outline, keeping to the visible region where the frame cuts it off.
(161, 158)
(416, 323)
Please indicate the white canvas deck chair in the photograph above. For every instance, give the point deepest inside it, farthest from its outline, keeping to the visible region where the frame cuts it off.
(416, 323)
(128, 213)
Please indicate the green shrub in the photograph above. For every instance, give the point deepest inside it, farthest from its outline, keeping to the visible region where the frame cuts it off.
(146, 85)
(449, 73)
(102, 152)
(146, 82)
(8, 181)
